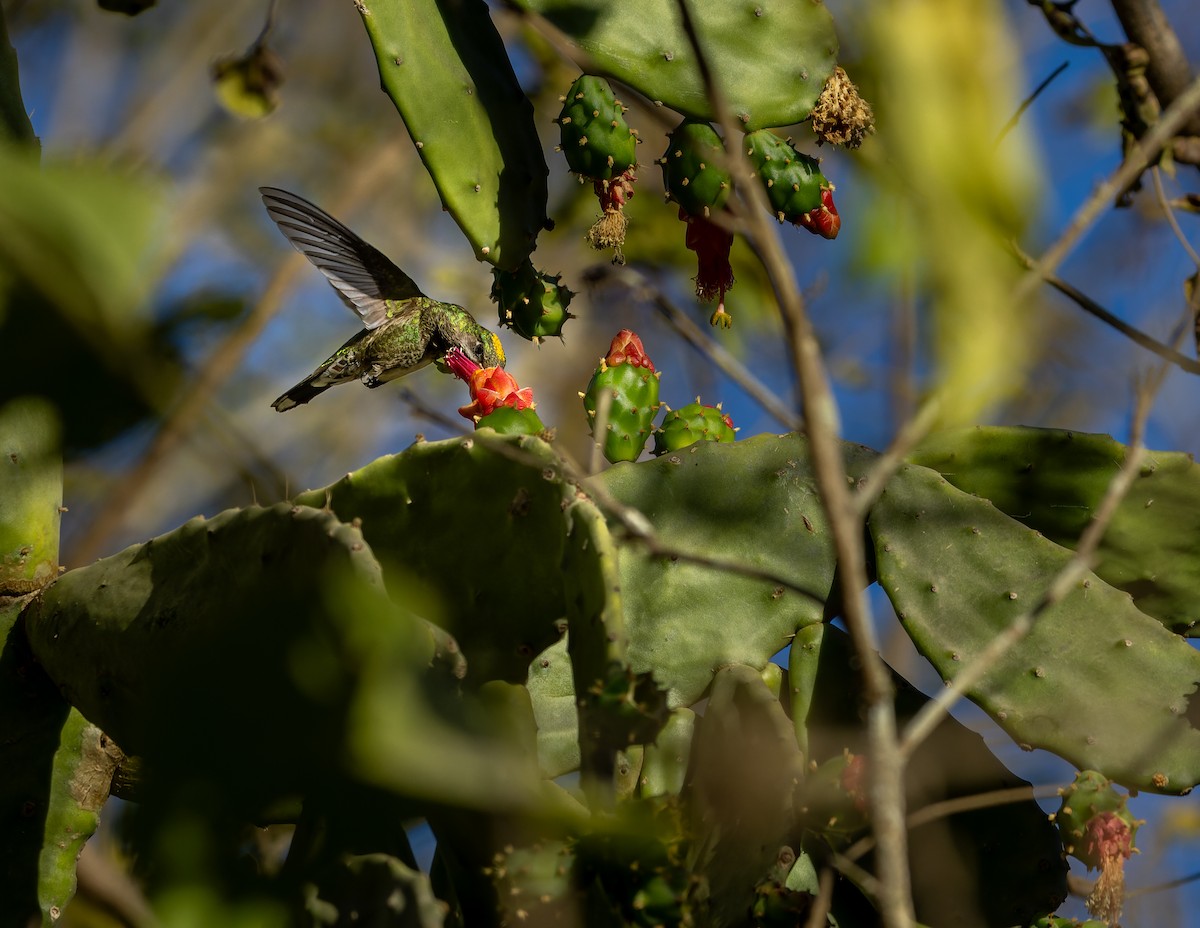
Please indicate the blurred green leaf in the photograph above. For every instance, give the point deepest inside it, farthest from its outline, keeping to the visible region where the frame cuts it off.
(77, 265)
(947, 82)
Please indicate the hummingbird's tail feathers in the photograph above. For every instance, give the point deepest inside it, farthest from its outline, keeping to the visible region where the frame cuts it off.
(365, 279)
(299, 395)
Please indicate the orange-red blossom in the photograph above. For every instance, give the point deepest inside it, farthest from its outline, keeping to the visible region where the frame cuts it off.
(491, 387)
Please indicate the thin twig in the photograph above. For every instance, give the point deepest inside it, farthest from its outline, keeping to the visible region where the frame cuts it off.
(599, 430)
(818, 915)
(1086, 303)
(1162, 887)
(637, 528)
(948, 807)
(1161, 194)
(423, 410)
(819, 408)
(909, 436)
(1168, 69)
(1028, 102)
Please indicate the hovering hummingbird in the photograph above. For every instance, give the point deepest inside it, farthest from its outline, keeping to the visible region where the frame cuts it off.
(403, 329)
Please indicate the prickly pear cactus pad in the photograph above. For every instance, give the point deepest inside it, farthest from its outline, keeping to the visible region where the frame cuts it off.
(57, 770)
(140, 641)
(481, 519)
(721, 500)
(793, 181)
(771, 57)
(1096, 681)
(448, 74)
(690, 424)
(693, 168)
(552, 690)
(1052, 480)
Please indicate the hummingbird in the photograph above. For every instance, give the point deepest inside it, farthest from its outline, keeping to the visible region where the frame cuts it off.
(403, 329)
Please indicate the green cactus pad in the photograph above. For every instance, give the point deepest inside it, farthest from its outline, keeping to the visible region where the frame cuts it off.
(470, 515)
(833, 799)
(693, 166)
(79, 786)
(552, 689)
(792, 181)
(618, 707)
(532, 303)
(665, 762)
(1096, 681)
(634, 404)
(771, 58)
(690, 424)
(596, 140)
(635, 863)
(132, 640)
(1052, 481)
(745, 765)
(56, 777)
(719, 500)
(533, 884)
(509, 421)
(449, 75)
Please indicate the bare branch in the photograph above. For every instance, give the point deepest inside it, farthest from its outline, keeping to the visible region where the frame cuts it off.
(1168, 71)
(1140, 154)
(1086, 303)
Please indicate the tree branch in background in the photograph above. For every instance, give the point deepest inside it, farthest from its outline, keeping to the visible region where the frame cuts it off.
(1168, 70)
(1086, 303)
(1151, 71)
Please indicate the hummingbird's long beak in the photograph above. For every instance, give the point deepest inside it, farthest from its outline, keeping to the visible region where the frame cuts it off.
(459, 364)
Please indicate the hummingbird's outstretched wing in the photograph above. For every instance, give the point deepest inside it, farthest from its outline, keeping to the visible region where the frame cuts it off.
(363, 276)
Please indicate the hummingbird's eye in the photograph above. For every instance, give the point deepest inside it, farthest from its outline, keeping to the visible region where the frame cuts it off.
(479, 351)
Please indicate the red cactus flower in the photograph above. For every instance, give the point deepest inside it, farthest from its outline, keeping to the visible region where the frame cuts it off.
(714, 273)
(491, 387)
(823, 220)
(626, 348)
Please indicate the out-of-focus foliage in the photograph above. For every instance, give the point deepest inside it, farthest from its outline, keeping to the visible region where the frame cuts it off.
(76, 271)
(956, 190)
